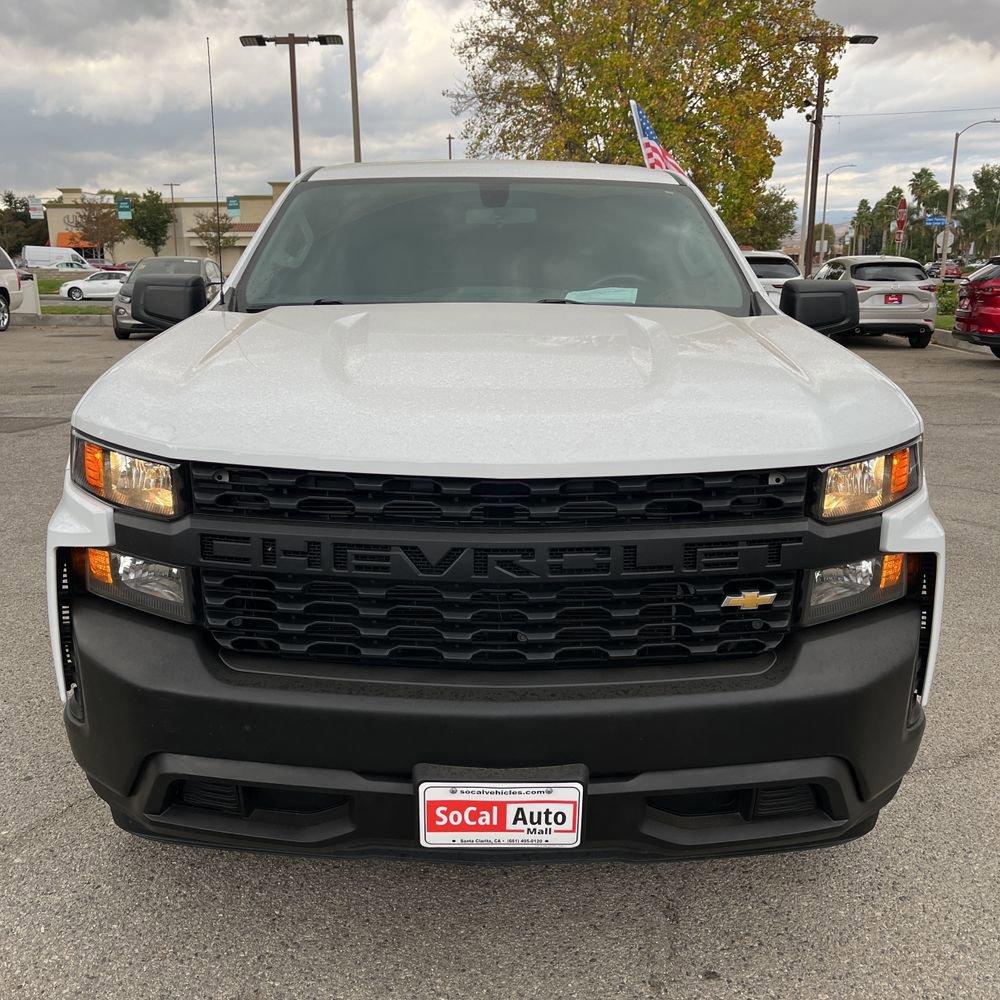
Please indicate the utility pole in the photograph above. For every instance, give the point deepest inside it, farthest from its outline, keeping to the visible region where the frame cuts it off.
(173, 209)
(817, 121)
(450, 139)
(810, 229)
(355, 113)
(805, 206)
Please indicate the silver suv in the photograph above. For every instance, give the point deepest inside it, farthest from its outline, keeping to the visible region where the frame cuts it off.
(10, 289)
(895, 293)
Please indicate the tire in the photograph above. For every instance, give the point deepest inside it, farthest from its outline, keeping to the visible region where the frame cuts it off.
(920, 340)
(120, 333)
(4, 313)
(76, 294)
(996, 351)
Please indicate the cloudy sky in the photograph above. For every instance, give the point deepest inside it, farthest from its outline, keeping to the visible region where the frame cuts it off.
(115, 94)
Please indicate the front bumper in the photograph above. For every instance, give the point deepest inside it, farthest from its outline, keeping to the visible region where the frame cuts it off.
(158, 707)
(832, 712)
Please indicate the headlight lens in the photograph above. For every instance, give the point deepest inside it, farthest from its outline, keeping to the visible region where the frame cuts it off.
(159, 588)
(871, 484)
(852, 587)
(124, 298)
(127, 480)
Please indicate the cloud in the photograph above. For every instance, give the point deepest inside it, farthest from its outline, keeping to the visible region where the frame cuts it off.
(121, 98)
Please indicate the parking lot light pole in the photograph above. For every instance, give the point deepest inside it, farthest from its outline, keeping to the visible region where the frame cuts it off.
(817, 128)
(951, 191)
(826, 192)
(173, 209)
(291, 40)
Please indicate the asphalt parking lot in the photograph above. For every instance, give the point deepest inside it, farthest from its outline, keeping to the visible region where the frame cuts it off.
(911, 910)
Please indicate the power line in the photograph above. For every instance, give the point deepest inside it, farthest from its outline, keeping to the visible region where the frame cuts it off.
(896, 114)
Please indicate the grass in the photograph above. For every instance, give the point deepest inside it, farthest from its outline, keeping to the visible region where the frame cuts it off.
(946, 323)
(50, 286)
(75, 310)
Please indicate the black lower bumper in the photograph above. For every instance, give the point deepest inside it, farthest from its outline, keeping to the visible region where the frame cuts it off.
(975, 337)
(795, 750)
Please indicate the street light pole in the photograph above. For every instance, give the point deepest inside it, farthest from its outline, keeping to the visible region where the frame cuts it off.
(291, 40)
(355, 113)
(951, 192)
(450, 139)
(173, 209)
(826, 192)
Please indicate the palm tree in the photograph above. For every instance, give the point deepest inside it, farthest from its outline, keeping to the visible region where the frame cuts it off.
(924, 187)
(862, 224)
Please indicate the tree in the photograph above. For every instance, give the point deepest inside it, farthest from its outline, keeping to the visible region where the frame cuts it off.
(97, 222)
(17, 228)
(551, 79)
(151, 221)
(884, 217)
(924, 188)
(215, 230)
(861, 226)
(980, 218)
(774, 219)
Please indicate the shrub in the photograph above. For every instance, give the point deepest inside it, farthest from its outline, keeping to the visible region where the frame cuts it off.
(947, 299)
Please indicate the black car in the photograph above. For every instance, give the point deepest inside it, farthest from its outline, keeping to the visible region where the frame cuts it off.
(121, 311)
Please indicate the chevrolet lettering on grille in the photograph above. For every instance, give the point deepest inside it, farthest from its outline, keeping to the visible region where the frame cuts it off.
(516, 562)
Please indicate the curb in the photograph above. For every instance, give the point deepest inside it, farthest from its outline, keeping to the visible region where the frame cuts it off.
(943, 338)
(65, 319)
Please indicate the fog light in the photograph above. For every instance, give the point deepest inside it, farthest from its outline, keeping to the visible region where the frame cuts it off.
(855, 586)
(156, 587)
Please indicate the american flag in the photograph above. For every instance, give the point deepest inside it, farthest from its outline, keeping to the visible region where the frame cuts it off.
(654, 155)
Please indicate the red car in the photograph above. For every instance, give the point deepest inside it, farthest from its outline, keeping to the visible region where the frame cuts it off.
(977, 318)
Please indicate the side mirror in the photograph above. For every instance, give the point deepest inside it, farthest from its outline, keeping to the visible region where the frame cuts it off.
(829, 307)
(160, 301)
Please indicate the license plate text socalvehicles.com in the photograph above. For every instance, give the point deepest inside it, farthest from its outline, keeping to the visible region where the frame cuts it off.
(500, 815)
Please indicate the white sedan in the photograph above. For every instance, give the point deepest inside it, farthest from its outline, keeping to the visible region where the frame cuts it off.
(100, 285)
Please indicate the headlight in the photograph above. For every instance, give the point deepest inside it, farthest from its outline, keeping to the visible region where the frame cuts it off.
(869, 485)
(856, 586)
(127, 480)
(159, 588)
(124, 298)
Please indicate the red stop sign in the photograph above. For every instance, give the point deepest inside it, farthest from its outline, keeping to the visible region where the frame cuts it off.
(901, 214)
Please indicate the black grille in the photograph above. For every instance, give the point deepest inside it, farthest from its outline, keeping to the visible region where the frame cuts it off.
(374, 499)
(476, 625)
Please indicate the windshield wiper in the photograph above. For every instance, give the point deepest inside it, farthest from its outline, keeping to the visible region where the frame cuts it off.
(563, 302)
(327, 302)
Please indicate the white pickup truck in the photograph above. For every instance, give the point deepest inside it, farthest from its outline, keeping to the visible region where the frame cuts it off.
(494, 511)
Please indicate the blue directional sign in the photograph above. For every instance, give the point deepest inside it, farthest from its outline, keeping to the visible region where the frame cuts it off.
(935, 221)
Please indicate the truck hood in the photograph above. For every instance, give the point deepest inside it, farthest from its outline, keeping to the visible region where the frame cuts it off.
(502, 390)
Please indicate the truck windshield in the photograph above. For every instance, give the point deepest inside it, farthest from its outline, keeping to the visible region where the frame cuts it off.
(494, 240)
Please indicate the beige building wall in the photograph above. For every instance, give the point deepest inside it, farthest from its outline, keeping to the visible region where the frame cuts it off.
(253, 208)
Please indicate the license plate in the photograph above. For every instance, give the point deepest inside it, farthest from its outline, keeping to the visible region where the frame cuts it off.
(500, 814)
(894, 300)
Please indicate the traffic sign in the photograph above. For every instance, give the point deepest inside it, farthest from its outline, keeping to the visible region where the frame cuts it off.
(899, 235)
(935, 221)
(901, 210)
(124, 206)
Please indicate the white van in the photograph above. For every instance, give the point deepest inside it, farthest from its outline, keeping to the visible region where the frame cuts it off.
(50, 256)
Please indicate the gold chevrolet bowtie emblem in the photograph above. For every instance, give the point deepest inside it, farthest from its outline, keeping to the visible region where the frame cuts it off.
(750, 600)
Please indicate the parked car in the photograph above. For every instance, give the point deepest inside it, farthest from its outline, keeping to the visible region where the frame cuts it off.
(495, 514)
(10, 289)
(896, 295)
(100, 285)
(72, 265)
(35, 256)
(977, 317)
(105, 265)
(952, 270)
(121, 312)
(774, 269)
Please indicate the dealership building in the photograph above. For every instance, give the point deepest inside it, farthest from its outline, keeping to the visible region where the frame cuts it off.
(181, 239)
